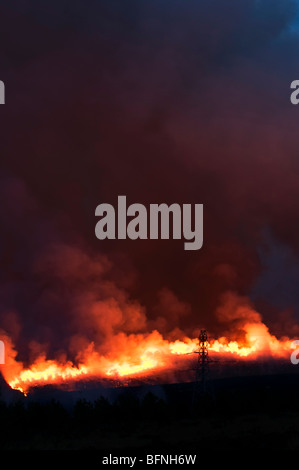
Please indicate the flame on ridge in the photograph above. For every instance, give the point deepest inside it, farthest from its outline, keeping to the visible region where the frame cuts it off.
(141, 356)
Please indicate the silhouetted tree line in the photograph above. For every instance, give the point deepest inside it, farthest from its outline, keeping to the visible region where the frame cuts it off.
(29, 422)
(20, 420)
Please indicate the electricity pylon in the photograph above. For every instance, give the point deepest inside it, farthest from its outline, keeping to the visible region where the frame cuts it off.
(202, 366)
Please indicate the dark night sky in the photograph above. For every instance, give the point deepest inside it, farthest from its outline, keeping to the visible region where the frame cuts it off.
(163, 101)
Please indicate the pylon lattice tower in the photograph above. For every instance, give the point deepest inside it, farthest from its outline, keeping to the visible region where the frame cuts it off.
(203, 359)
(202, 366)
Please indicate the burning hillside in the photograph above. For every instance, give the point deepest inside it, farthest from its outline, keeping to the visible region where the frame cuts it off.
(173, 102)
(143, 356)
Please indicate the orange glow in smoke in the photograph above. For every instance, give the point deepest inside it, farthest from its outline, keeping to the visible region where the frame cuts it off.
(138, 356)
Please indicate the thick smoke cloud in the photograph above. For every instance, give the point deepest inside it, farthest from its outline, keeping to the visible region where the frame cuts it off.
(162, 101)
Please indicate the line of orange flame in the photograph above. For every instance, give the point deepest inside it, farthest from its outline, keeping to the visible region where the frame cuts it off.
(147, 354)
